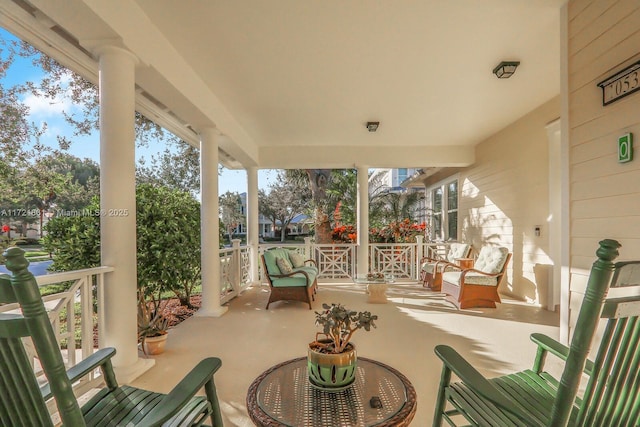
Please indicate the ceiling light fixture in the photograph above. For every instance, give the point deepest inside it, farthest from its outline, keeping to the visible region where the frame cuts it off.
(505, 69)
(372, 126)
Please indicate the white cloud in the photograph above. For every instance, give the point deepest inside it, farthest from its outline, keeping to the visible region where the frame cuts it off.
(40, 108)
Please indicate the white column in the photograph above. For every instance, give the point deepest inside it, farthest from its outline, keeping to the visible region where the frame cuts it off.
(363, 220)
(209, 225)
(118, 210)
(253, 230)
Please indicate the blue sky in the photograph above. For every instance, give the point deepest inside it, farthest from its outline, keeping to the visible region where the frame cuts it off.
(42, 111)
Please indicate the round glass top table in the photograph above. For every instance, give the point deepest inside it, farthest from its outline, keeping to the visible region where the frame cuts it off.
(380, 396)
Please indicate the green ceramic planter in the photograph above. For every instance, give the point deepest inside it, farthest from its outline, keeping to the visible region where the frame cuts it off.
(332, 371)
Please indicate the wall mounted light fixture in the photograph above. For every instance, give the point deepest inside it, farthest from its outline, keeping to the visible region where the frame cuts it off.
(505, 69)
(372, 126)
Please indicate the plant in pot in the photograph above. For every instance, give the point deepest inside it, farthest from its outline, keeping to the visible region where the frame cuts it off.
(152, 324)
(331, 361)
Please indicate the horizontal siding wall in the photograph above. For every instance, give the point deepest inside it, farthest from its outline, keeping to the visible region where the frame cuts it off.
(504, 195)
(604, 37)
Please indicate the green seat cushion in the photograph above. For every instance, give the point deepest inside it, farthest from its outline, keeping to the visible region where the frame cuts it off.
(292, 281)
(297, 279)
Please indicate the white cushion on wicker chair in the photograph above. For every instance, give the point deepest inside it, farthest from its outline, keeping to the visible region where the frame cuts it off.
(456, 251)
(490, 260)
(470, 278)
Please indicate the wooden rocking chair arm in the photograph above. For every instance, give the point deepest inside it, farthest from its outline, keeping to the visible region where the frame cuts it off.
(83, 368)
(312, 261)
(180, 395)
(475, 380)
(547, 344)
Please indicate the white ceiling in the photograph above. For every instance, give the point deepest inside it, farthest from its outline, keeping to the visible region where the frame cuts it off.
(287, 80)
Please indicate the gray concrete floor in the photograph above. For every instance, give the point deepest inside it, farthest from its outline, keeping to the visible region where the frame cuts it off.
(249, 339)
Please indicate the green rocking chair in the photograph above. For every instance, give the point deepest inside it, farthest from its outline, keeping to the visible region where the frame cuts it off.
(23, 400)
(534, 397)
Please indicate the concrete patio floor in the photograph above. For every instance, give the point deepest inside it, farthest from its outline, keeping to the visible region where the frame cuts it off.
(250, 339)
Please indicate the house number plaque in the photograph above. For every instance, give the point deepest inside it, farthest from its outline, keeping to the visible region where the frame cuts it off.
(621, 84)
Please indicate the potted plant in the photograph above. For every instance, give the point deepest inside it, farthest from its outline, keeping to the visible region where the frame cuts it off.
(152, 324)
(331, 361)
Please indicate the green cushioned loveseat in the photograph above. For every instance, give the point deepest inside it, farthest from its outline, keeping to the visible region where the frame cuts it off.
(297, 284)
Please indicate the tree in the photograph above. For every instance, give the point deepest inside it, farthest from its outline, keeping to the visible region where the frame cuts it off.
(168, 240)
(231, 212)
(285, 200)
(176, 167)
(342, 194)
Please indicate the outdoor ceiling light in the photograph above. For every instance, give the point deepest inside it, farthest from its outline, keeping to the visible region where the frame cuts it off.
(372, 126)
(505, 69)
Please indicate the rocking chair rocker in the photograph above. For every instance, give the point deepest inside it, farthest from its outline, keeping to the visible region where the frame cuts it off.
(23, 400)
(534, 397)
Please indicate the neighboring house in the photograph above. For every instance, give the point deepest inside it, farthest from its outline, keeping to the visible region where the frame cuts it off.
(265, 227)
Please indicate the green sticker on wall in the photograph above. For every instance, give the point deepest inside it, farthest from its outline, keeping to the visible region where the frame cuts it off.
(625, 148)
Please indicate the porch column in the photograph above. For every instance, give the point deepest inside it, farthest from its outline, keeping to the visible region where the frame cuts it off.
(118, 321)
(363, 220)
(253, 226)
(209, 225)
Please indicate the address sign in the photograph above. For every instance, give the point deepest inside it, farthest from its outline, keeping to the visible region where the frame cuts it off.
(621, 84)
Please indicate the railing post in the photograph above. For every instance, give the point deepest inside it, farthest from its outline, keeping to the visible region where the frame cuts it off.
(419, 255)
(235, 272)
(308, 252)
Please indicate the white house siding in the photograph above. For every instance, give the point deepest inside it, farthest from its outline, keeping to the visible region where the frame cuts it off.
(505, 195)
(603, 38)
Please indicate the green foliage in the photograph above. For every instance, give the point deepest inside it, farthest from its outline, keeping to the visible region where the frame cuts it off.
(339, 324)
(74, 241)
(231, 210)
(178, 166)
(168, 241)
(151, 319)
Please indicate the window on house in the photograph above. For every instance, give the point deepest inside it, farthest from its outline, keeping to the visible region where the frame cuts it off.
(452, 210)
(402, 175)
(436, 206)
(443, 205)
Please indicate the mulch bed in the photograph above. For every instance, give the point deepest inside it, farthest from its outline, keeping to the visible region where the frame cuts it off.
(173, 311)
(177, 313)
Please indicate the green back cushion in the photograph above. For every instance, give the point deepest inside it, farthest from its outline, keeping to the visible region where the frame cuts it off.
(270, 257)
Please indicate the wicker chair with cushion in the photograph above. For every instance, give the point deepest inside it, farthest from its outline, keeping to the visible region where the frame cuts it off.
(478, 286)
(289, 277)
(432, 266)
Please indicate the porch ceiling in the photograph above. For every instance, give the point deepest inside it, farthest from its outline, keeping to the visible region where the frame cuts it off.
(292, 84)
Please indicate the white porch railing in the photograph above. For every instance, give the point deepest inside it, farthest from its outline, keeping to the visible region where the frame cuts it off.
(338, 261)
(235, 271)
(80, 304)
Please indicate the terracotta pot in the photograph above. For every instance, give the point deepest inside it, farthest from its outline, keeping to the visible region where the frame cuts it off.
(332, 371)
(155, 345)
